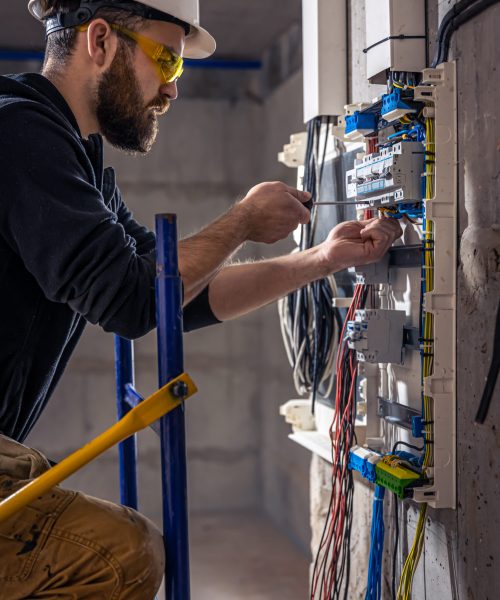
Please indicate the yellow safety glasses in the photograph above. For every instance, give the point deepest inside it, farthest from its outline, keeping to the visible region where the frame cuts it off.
(169, 64)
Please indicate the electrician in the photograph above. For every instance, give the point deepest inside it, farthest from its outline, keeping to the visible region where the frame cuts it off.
(71, 252)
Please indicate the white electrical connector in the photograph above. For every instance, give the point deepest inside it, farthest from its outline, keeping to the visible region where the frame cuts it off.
(390, 176)
(377, 335)
(298, 414)
(294, 153)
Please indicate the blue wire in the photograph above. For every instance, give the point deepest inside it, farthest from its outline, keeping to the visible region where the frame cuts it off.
(374, 586)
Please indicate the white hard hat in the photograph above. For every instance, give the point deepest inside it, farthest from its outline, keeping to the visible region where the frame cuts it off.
(199, 43)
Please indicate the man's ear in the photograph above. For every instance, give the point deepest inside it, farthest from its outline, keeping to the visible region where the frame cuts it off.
(102, 43)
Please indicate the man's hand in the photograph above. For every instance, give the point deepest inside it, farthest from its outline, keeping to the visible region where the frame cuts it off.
(272, 211)
(357, 243)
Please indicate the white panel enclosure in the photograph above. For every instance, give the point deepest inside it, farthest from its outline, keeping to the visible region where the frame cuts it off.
(325, 57)
(385, 21)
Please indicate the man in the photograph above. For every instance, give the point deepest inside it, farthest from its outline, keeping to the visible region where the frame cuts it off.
(71, 252)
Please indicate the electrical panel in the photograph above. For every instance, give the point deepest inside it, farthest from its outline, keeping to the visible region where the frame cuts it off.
(375, 345)
(395, 37)
(408, 172)
(401, 320)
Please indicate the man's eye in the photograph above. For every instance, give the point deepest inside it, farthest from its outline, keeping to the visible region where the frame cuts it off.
(166, 64)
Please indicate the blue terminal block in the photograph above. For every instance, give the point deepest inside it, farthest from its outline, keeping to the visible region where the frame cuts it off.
(394, 107)
(417, 427)
(364, 461)
(360, 123)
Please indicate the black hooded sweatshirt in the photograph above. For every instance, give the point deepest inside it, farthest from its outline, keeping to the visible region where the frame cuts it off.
(70, 250)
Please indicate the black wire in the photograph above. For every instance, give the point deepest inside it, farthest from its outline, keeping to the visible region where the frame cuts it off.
(446, 22)
(408, 446)
(314, 300)
(489, 388)
(459, 14)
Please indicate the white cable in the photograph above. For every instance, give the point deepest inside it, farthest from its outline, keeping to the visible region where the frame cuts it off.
(295, 346)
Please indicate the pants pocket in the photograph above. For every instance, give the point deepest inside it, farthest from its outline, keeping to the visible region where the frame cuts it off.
(23, 536)
(21, 539)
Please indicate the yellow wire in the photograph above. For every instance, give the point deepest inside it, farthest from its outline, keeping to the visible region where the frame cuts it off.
(412, 560)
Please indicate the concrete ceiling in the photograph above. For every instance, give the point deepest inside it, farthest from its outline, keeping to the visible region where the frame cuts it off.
(243, 28)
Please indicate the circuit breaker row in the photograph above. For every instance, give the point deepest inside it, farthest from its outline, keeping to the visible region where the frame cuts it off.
(390, 176)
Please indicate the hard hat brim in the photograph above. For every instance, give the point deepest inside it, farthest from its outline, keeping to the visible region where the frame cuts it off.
(199, 44)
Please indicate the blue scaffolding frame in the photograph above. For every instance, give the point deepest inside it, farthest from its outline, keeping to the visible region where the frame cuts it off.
(172, 427)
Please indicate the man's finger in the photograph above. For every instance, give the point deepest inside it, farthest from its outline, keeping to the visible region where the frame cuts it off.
(303, 214)
(388, 226)
(367, 222)
(299, 195)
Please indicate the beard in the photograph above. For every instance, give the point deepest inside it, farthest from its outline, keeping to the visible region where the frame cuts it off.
(124, 119)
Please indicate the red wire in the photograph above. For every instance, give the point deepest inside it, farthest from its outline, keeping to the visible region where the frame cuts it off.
(340, 426)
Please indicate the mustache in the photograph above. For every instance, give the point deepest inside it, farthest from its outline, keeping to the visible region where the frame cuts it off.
(159, 105)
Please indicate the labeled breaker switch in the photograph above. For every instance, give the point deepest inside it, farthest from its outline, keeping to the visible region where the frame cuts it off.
(388, 177)
(377, 335)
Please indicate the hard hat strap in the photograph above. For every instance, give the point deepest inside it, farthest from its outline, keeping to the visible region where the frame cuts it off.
(88, 8)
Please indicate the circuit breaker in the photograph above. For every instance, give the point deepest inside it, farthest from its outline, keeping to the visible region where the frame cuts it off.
(377, 335)
(394, 174)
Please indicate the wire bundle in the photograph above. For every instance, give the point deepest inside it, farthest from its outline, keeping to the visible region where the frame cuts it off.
(331, 572)
(309, 325)
(374, 586)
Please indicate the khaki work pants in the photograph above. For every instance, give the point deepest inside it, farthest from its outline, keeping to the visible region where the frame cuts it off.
(67, 545)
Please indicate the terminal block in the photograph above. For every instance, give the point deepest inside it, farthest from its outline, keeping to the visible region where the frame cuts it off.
(388, 177)
(364, 461)
(360, 124)
(377, 335)
(395, 477)
(395, 107)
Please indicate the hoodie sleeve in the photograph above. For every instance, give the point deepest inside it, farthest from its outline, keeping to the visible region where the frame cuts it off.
(53, 216)
(198, 313)
(100, 262)
(144, 238)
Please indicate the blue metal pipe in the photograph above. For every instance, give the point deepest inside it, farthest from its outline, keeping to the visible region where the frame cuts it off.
(21, 55)
(127, 450)
(214, 63)
(220, 63)
(173, 436)
(132, 396)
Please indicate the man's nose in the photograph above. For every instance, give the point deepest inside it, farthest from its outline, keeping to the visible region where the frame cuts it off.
(169, 90)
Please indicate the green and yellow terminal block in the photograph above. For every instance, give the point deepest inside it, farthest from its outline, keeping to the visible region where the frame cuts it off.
(389, 471)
